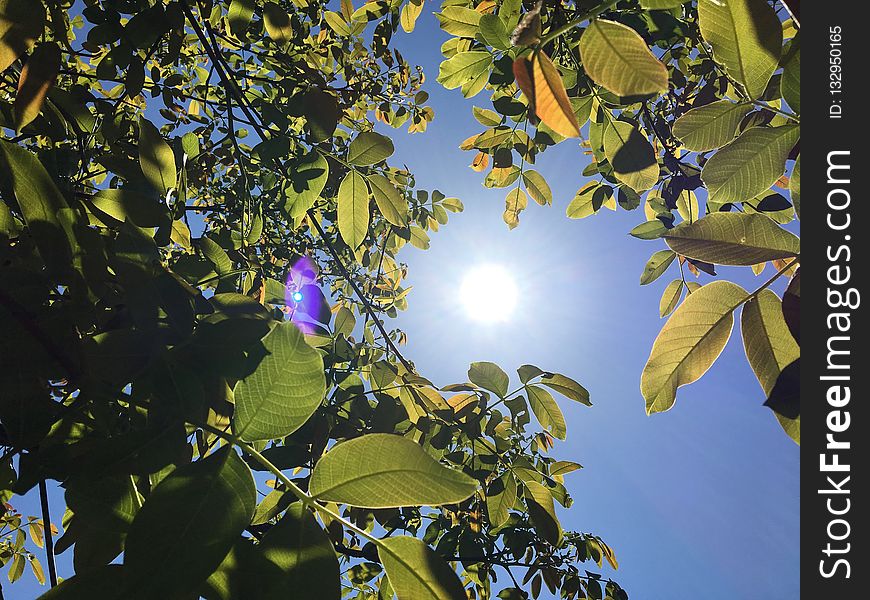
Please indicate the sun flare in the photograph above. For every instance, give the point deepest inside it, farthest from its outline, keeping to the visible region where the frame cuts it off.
(489, 293)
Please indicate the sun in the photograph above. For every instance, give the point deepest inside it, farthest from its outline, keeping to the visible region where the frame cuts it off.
(489, 293)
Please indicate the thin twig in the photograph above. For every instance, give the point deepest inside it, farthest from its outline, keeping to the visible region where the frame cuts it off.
(46, 529)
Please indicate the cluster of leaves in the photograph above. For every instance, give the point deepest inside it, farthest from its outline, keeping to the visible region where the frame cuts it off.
(198, 240)
(694, 104)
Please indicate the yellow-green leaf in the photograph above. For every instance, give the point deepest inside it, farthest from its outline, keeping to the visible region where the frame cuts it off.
(381, 470)
(746, 37)
(670, 297)
(656, 266)
(284, 390)
(749, 165)
(156, 158)
(353, 209)
(500, 498)
(369, 148)
(537, 187)
(277, 23)
(710, 126)
(690, 342)
(392, 205)
(732, 238)
(416, 572)
(547, 411)
(631, 155)
(615, 56)
(794, 186)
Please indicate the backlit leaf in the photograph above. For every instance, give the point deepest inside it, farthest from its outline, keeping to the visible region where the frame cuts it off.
(537, 187)
(353, 209)
(733, 238)
(542, 511)
(416, 572)
(369, 148)
(710, 126)
(542, 85)
(382, 470)
(156, 158)
(283, 391)
(615, 56)
(656, 266)
(631, 155)
(392, 205)
(689, 343)
(515, 203)
(746, 37)
(749, 165)
(547, 412)
(490, 377)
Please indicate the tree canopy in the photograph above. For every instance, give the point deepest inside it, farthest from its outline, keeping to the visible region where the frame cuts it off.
(198, 263)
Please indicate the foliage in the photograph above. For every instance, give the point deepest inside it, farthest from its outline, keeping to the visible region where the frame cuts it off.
(694, 104)
(198, 241)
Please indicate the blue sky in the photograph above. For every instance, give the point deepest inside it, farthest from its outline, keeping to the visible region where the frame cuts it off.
(700, 502)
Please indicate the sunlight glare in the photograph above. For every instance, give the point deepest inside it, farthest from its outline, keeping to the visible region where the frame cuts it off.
(489, 293)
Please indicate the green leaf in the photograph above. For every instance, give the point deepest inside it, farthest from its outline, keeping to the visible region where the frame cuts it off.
(277, 23)
(215, 255)
(768, 343)
(784, 400)
(587, 201)
(687, 206)
(459, 21)
(537, 187)
(542, 511)
(794, 186)
(369, 148)
(690, 342)
(122, 204)
(487, 117)
(490, 377)
(494, 32)
(37, 76)
(40, 202)
(303, 557)
(239, 16)
(463, 67)
(410, 13)
(353, 209)
(515, 202)
(649, 230)
(567, 387)
(382, 470)
(615, 56)
(750, 164)
(188, 524)
(392, 205)
(547, 412)
(156, 158)
(710, 126)
(670, 297)
(322, 114)
(21, 23)
(285, 389)
(419, 238)
(500, 498)
(746, 37)
(306, 182)
(656, 266)
(790, 84)
(416, 572)
(732, 238)
(631, 155)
